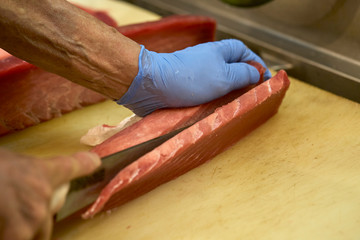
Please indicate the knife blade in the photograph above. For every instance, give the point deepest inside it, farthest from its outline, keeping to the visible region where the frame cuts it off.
(84, 190)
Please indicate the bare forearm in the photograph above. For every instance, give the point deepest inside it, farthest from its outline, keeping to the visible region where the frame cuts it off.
(60, 38)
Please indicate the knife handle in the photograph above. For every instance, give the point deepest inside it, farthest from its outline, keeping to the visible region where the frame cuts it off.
(58, 197)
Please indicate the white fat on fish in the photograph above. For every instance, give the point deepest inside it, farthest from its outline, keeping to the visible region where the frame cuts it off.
(99, 134)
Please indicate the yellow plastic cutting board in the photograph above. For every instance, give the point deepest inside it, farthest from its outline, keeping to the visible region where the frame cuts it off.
(295, 177)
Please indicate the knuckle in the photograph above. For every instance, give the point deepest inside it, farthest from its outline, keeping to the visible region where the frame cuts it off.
(38, 215)
(33, 214)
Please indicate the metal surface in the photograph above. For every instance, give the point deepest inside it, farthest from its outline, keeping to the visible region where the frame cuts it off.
(319, 39)
(84, 191)
(246, 3)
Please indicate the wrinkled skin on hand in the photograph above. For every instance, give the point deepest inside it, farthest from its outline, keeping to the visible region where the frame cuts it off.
(27, 185)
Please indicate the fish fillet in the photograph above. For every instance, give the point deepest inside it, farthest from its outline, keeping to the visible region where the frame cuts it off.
(190, 148)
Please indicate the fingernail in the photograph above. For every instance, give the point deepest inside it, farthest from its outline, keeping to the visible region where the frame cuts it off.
(254, 75)
(267, 75)
(95, 158)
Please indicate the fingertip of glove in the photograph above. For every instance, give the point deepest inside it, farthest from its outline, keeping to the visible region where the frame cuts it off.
(267, 75)
(254, 75)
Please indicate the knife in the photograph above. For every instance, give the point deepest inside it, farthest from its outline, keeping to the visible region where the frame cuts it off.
(84, 190)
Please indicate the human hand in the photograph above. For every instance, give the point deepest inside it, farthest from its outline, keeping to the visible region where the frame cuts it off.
(191, 76)
(27, 185)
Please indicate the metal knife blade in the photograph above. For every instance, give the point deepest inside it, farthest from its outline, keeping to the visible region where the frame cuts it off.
(84, 190)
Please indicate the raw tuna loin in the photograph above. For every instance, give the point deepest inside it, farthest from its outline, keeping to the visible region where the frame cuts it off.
(166, 120)
(191, 147)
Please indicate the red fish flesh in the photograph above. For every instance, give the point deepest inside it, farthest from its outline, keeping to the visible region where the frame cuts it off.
(187, 150)
(166, 120)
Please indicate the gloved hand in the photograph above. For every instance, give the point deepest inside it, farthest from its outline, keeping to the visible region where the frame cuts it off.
(191, 76)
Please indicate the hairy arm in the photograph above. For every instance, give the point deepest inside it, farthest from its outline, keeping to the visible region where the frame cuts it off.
(60, 38)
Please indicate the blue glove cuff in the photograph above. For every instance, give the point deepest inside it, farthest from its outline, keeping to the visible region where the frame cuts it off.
(141, 97)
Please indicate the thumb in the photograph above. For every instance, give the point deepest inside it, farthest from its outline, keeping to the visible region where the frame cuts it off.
(242, 74)
(63, 169)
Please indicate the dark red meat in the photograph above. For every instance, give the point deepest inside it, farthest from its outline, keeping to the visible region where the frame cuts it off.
(29, 95)
(166, 120)
(11, 65)
(167, 34)
(33, 96)
(101, 15)
(195, 145)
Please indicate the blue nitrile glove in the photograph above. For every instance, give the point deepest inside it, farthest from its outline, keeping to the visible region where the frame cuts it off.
(191, 76)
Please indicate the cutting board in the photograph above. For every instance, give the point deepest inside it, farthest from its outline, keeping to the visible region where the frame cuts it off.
(295, 177)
